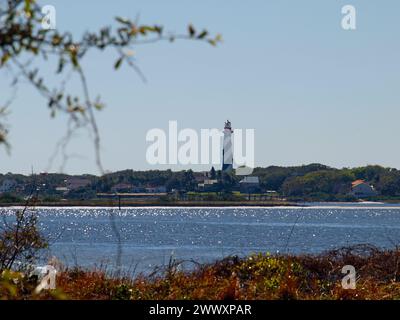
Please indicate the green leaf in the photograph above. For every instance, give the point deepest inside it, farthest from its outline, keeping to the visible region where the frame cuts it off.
(99, 106)
(191, 30)
(56, 40)
(28, 7)
(212, 42)
(5, 58)
(202, 35)
(123, 21)
(74, 59)
(35, 50)
(118, 63)
(158, 29)
(143, 30)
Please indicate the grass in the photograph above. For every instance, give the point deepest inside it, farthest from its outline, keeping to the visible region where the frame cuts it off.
(261, 276)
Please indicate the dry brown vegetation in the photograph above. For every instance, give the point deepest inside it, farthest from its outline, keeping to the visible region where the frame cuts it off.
(261, 276)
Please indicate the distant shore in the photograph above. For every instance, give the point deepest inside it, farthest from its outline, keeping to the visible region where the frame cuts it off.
(127, 203)
(113, 203)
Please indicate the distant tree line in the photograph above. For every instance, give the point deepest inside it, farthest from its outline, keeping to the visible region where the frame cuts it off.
(307, 182)
(318, 181)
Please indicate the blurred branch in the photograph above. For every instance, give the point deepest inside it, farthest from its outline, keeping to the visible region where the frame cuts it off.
(21, 34)
(22, 37)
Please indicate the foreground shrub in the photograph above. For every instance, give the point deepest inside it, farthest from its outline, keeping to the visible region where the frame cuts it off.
(260, 276)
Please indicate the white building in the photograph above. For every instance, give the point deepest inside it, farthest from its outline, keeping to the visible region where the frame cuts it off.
(207, 183)
(250, 185)
(227, 153)
(361, 189)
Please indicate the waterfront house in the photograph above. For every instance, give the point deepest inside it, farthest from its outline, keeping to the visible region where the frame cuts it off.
(122, 187)
(250, 185)
(209, 185)
(361, 189)
(75, 183)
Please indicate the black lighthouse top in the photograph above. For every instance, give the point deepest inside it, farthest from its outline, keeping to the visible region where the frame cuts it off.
(228, 125)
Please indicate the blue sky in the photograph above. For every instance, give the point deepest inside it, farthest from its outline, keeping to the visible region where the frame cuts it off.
(312, 91)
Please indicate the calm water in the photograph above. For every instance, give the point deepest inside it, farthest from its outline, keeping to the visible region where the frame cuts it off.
(150, 236)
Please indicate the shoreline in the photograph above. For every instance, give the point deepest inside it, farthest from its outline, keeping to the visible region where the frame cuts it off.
(200, 204)
(155, 204)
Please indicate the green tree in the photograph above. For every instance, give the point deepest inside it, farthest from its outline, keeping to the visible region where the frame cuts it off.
(213, 173)
(389, 183)
(20, 240)
(332, 182)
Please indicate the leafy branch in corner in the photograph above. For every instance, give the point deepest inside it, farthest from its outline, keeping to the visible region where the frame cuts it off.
(23, 42)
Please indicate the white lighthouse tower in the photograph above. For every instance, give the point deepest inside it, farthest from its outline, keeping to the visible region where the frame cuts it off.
(227, 153)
